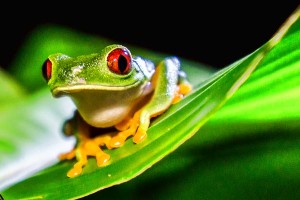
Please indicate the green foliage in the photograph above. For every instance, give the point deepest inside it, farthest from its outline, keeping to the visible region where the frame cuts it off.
(237, 132)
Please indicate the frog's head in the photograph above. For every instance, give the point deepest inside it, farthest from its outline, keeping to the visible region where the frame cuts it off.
(113, 68)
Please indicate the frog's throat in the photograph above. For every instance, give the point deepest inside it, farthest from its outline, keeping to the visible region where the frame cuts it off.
(61, 90)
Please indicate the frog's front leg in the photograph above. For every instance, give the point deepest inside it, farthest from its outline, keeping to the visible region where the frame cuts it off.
(85, 146)
(170, 86)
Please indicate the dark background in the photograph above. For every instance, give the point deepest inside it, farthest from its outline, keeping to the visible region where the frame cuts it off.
(212, 33)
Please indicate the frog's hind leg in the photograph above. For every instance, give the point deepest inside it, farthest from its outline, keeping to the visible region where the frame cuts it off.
(165, 81)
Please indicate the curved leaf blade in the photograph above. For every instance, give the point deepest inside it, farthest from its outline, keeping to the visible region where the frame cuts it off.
(189, 116)
(241, 152)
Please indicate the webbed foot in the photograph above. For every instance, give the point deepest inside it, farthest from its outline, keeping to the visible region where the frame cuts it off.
(87, 147)
(119, 139)
(139, 136)
(182, 90)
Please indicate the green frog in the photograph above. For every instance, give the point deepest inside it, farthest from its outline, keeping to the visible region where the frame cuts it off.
(112, 89)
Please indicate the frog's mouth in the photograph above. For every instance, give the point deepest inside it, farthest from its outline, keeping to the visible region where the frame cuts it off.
(61, 90)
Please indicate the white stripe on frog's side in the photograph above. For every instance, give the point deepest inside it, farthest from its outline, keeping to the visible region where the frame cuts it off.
(146, 66)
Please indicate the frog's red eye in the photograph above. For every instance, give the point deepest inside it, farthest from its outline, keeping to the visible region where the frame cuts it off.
(119, 61)
(47, 70)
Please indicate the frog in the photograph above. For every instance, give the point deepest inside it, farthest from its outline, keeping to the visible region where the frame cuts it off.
(116, 95)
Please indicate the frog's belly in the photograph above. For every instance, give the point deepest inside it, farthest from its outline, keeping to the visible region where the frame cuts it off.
(106, 116)
(106, 108)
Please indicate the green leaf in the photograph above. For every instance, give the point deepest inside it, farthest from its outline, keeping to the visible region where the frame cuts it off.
(182, 121)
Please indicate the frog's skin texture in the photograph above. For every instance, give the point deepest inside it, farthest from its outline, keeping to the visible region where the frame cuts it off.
(113, 91)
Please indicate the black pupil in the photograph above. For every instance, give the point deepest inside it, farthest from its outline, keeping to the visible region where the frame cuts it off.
(122, 62)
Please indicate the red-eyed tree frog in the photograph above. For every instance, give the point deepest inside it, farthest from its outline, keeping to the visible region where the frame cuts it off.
(112, 89)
